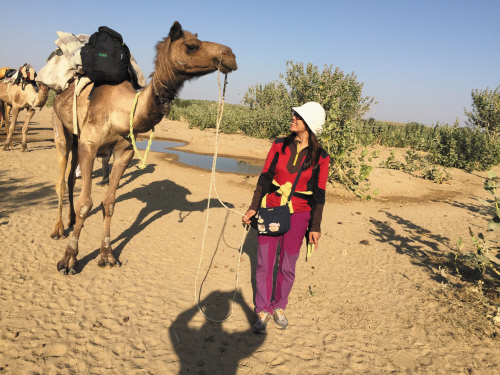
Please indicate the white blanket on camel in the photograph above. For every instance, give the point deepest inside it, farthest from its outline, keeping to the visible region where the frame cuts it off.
(65, 62)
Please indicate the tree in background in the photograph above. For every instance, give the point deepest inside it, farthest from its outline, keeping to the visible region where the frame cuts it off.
(485, 112)
(338, 93)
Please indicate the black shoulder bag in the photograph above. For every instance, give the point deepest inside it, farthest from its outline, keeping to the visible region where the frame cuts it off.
(275, 221)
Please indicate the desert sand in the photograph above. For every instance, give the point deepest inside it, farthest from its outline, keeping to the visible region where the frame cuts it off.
(371, 299)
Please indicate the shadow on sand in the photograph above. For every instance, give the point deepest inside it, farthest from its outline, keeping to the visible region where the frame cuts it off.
(420, 244)
(18, 192)
(156, 206)
(208, 348)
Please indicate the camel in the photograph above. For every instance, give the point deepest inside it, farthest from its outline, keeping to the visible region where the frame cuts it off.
(20, 99)
(4, 115)
(105, 125)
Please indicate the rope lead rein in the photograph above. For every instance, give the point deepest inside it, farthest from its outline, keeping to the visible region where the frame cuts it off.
(220, 111)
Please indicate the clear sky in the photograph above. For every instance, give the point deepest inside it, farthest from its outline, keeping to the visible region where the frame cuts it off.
(418, 59)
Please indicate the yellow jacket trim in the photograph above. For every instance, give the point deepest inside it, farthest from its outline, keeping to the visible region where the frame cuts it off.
(284, 190)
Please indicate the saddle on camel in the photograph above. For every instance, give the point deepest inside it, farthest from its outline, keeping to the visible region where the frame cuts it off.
(106, 121)
(18, 90)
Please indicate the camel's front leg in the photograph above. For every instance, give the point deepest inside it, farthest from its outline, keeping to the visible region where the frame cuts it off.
(14, 113)
(86, 156)
(122, 159)
(63, 141)
(29, 116)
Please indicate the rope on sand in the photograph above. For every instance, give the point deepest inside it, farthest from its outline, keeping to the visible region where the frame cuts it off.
(220, 111)
(131, 135)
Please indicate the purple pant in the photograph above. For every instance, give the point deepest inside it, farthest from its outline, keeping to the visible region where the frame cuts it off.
(290, 244)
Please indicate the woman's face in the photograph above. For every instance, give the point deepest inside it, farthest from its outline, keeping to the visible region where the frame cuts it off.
(298, 124)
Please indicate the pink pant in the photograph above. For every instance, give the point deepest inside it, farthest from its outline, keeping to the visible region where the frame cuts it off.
(290, 244)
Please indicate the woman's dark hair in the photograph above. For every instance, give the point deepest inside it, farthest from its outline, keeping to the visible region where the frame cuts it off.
(313, 151)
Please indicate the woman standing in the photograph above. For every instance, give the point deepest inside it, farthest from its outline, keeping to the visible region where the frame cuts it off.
(287, 155)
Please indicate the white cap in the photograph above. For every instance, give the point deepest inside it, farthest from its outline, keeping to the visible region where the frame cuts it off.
(313, 114)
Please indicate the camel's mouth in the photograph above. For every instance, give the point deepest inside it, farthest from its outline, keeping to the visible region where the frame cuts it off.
(228, 64)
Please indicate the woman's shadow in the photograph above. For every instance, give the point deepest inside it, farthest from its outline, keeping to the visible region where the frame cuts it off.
(210, 349)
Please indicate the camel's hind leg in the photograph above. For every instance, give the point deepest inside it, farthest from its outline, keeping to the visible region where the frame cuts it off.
(72, 181)
(5, 115)
(13, 119)
(122, 159)
(86, 157)
(29, 116)
(63, 140)
(3, 108)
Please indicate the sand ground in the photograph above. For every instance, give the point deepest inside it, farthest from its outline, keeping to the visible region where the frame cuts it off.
(370, 300)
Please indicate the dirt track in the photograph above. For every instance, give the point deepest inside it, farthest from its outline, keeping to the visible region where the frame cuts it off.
(372, 307)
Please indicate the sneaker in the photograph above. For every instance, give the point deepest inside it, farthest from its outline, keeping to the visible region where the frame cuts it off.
(280, 320)
(260, 325)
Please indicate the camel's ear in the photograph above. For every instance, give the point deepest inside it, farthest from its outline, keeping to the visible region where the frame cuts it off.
(175, 31)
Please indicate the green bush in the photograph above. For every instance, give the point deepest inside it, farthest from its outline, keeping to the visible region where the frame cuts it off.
(266, 113)
(485, 112)
(50, 99)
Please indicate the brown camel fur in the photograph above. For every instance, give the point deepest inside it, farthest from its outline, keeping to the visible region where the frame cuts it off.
(105, 125)
(20, 99)
(4, 115)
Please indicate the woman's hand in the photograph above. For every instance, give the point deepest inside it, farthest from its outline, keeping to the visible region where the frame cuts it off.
(246, 219)
(314, 238)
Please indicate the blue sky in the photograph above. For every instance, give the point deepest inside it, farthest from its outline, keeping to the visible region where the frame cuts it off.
(418, 59)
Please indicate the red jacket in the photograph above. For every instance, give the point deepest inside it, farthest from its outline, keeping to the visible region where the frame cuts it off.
(284, 168)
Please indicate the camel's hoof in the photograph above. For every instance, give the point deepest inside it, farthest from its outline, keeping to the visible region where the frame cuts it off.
(56, 237)
(118, 263)
(24, 149)
(64, 271)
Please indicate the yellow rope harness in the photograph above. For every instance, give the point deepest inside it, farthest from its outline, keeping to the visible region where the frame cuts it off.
(131, 135)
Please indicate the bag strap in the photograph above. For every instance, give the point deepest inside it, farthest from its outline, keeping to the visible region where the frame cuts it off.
(295, 182)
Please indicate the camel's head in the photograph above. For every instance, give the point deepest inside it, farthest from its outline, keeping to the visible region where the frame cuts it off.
(190, 56)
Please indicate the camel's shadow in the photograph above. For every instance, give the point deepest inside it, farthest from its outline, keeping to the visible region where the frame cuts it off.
(157, 205)
(209, 349)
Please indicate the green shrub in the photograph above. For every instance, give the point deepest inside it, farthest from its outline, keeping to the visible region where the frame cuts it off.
(485, 112)
(50, 99)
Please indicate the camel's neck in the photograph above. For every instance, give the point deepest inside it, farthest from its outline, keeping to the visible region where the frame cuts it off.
(43, 94)
(151, 101)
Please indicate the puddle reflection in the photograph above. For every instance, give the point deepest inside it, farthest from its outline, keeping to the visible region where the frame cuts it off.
(205, 161)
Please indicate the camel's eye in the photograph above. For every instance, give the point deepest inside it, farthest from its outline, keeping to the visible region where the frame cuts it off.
(191, 48)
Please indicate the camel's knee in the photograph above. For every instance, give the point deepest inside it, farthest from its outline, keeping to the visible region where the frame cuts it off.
(61, 145)
(111, 208)
(84, 210)
(108, 207)
(83, 207)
